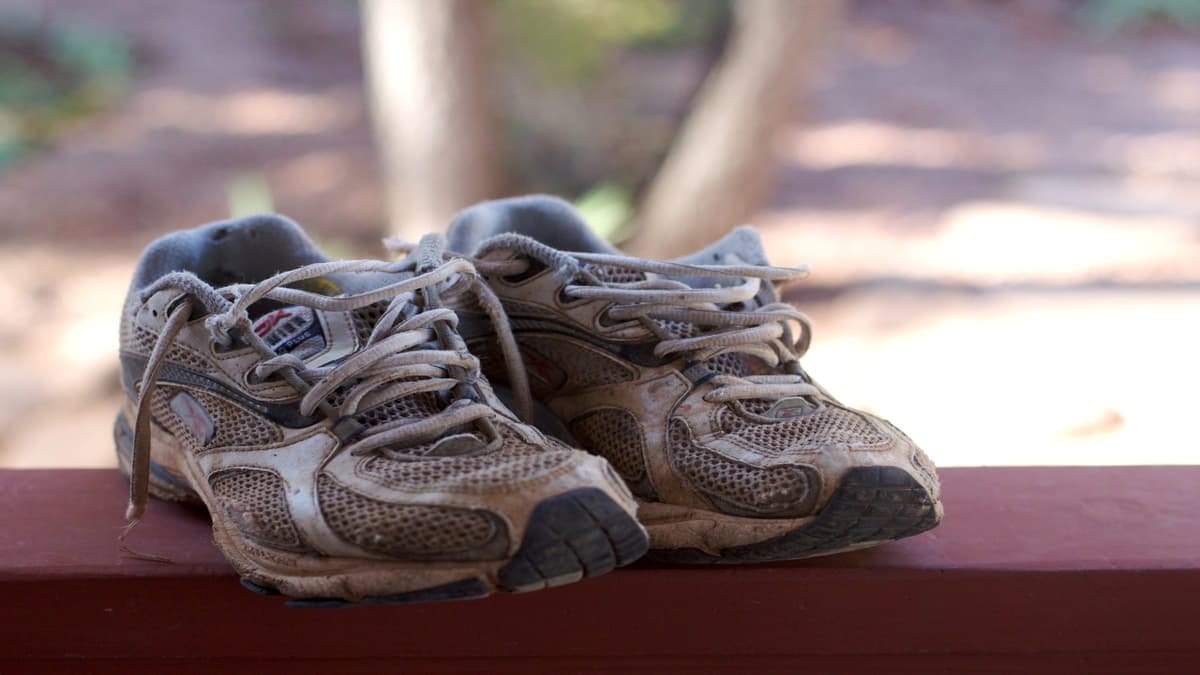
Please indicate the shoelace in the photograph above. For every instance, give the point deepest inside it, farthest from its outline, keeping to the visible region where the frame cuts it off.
(765, 332)
(396, 361)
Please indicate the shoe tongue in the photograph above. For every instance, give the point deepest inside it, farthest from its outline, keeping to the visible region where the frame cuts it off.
(318, 338)
(741, 246)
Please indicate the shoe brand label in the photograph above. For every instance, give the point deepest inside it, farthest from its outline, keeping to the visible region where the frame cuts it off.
(287, 329)
(318, 338)
(194, 417)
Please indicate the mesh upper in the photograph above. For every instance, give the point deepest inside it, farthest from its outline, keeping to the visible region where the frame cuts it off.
(417, 405)
(757, 406)
(616, 435)
(401, 530)
(584, 367)
(501, 470)
(256, 503)
(160, 408)
(142, 342)
(831, 425)
(365, 318)
(764, 490)
(233, 425)
(611, 274)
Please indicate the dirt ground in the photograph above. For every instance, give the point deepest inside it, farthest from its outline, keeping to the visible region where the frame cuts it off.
(1001, 209)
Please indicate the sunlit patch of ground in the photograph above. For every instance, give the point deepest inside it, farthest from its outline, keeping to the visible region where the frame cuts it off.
(996, 243)
(58, 368)
(1077, 377)
(1002, 216)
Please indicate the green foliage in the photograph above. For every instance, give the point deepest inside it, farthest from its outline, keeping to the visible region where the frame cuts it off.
(51, 75)
(567, 40)
(1113, 15)
(607, 208)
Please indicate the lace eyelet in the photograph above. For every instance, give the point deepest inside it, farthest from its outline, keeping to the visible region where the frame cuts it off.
(251, 379)
(217, 347)
(605, 320)
(563, 298)
(533, 268)
(196, 308)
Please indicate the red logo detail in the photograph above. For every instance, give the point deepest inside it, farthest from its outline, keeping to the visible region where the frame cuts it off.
(194, 416)
(269, 321)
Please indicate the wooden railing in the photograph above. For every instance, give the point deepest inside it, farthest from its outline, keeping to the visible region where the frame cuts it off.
(1033, 570)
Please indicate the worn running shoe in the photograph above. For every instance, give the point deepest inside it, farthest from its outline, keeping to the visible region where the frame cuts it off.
(686, 376)
(333, 422)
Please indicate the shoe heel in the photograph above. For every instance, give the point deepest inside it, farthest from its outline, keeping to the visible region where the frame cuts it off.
(163, 483)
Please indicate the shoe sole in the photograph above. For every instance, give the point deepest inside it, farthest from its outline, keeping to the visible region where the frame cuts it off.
(568, 537)
(873, 505)
(572, 536)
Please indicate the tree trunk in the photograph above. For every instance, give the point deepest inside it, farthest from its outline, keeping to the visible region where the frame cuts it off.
(720, 165)
(430, 98)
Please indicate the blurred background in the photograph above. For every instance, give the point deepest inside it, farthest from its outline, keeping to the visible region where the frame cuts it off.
(999, 199)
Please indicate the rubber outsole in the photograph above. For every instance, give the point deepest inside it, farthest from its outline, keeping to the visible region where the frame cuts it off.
(874, 504)
(466, 589)
(578, 534)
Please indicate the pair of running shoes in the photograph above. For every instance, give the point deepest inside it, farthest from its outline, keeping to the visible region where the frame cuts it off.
(510, 406)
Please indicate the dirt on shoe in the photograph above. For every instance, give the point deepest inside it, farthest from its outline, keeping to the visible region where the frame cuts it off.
(334, 424)
(686, 376)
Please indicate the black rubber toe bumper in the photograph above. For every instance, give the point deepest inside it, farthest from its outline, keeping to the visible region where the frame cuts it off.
(577, 534)
(874, 504)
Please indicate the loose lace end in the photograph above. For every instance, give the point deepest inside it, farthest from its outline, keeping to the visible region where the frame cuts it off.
(126, 549)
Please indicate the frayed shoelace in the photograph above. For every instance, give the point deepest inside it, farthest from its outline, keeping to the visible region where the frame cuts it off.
(776, 333)
(396, 361)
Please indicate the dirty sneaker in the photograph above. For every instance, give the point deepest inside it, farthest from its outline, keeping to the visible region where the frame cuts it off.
(686, 376)
(335, 426)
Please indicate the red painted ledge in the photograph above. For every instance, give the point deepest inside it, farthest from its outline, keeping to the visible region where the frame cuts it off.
(1033, 569)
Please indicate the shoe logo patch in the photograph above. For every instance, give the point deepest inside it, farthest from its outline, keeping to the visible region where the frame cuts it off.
(264, 325)
(194, 417)
(293, 330)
